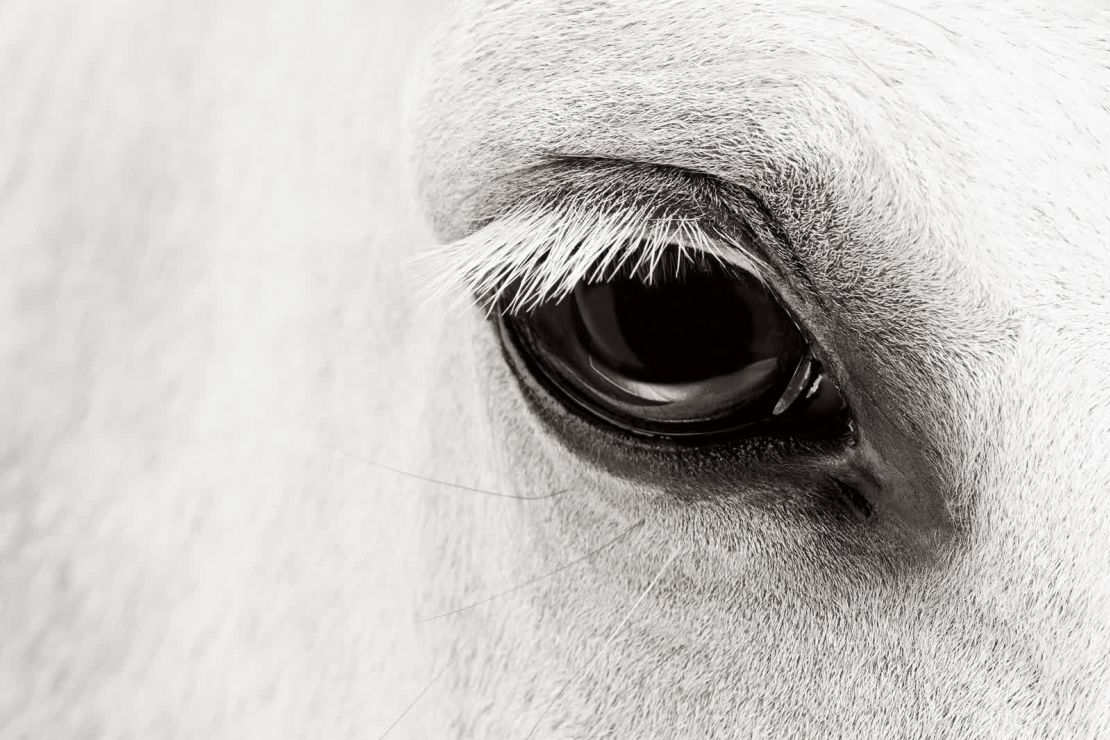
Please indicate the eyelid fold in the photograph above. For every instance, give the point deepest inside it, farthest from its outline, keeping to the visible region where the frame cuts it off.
(583, 222)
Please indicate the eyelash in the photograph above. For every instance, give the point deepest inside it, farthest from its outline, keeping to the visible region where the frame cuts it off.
(512, 276)
(578, 223)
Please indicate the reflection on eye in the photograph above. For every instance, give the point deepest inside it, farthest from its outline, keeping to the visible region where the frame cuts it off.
(701, 348)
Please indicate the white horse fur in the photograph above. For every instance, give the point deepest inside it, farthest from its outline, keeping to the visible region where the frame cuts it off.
(216, 357)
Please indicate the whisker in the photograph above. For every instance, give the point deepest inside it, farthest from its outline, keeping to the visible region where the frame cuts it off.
(608, 640)
(436, 481)
(923, 17)
(624, 533)
(417, 698)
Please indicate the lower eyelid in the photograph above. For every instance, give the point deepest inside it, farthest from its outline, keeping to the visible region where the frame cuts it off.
(797, 481)
(647, 457)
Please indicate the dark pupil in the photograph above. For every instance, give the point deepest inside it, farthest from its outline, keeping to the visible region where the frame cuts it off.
(695, 350)
(701, 325)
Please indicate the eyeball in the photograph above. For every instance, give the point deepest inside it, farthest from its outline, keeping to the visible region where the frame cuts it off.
(699, 350)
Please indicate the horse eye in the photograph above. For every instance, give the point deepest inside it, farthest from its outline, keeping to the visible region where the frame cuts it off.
(703, 350)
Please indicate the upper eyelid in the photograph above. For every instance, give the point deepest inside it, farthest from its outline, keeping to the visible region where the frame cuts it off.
(576, 219)
(626, 183)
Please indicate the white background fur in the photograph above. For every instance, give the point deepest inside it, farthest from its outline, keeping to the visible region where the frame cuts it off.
(197, 202)
(203, 214)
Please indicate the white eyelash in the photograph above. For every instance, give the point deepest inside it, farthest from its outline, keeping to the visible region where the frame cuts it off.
(540, 253)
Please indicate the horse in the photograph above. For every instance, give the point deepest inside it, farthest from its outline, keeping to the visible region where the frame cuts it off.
(556, 369)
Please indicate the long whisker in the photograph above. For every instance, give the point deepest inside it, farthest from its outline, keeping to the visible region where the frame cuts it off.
(608, 640)
(436, 481)
(624, 533)
(417, 698)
